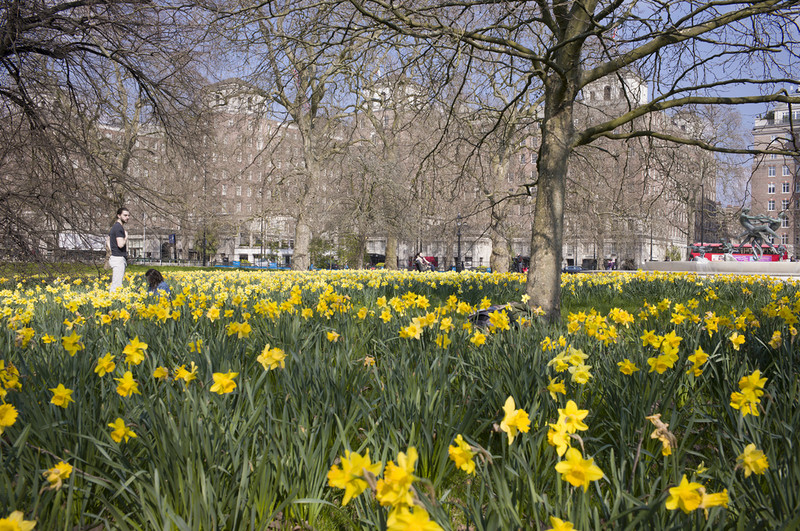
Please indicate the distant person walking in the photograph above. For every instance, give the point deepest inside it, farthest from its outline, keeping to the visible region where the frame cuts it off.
(118, 243)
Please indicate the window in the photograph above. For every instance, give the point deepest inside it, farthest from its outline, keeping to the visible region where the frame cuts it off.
(224, 189)
(784, 204)
(239, 191)
(238, 207)
(784, 239)
(771, 188)
(522, 158)
(249, 192)
(771, 171)
(785, 223)
(786, 171)
(770, 203)
(797, 187)
(785, 188)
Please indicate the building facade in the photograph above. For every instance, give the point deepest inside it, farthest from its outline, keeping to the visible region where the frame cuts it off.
(774, 186)
(236, 196)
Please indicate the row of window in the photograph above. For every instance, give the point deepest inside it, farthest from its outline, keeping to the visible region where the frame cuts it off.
(784, 206)
(786, 172)
(786, 187)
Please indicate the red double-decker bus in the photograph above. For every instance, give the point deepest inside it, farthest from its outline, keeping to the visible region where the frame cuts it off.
(742, 253)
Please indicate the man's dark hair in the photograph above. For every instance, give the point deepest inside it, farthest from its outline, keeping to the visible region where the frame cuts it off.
(120, 210)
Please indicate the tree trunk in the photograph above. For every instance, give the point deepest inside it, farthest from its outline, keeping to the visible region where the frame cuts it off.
(302, 241)
(544, 275)
(390, 262)
(501, 255)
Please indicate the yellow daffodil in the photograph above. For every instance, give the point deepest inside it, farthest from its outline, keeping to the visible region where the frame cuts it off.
(272, 358)
(559, 437)
(105, 365)
(160, 373)
(776, 340)
(442, 341)
(394, 489)
(57, 475)
(662, 433)
(697, 359)
(752, 461)
(349, 475)
(478, 338)
(127, 385)
(461, 453)
(121, 431)
(181, 373)
(16, 522)
(406, 519)
(72, 343)
(61, 396)
(223, 382)
(134, 351)
(686, 496)
(560, 525)
(213, 314)
(713, 499)
(514, 420)
(333, 336)
(627, 367)
(556, 386)
(8, 416)
(446, 325)
(580, 373)
(578, 471)
(572, 417)
(736, 340)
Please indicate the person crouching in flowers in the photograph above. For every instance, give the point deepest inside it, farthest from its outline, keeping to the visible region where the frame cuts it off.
(156, 283)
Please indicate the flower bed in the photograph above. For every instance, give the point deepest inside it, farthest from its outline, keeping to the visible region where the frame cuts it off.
(370, 399)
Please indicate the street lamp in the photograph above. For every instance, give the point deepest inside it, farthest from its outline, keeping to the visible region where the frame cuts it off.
(459, 266)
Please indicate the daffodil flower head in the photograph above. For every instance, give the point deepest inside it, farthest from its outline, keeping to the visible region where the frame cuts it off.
(55, 476)
(514, 420)
(572, 417)
(16, 522)
(349, 475)
(578, 471)
(686, 496)
(462, 455)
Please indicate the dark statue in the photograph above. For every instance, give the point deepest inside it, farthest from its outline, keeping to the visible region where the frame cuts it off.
(758, 230)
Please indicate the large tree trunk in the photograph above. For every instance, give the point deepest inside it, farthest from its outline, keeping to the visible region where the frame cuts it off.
(391, 252)
(302, 241)
(544, 275)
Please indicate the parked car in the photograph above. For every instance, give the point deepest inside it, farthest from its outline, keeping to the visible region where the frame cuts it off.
(572, 269)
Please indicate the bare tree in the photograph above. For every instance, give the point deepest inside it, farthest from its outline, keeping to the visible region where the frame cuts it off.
(62, 65)
(691, 53)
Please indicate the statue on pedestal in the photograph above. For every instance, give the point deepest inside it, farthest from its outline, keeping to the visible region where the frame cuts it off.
(758, 230)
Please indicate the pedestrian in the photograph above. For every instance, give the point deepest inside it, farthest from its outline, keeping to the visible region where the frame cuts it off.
(156, 282)
(118, 243)
(421, 263)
